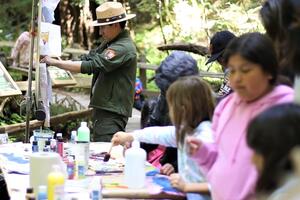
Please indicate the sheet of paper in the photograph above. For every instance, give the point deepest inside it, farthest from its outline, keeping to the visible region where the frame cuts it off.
(50, 43)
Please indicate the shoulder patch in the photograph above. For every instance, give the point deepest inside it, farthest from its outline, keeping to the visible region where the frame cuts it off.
(109, 54)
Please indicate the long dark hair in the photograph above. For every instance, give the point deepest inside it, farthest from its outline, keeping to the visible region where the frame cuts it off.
(191, 102)
(256, 48)
(273, 134)
(272, 18)
(291, 16)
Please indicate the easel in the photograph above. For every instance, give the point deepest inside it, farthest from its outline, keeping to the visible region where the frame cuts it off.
(34, 44)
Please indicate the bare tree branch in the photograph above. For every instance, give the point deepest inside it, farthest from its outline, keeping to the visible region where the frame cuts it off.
(197, 49)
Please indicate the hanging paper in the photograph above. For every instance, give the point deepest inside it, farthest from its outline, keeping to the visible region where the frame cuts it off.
(50, 42)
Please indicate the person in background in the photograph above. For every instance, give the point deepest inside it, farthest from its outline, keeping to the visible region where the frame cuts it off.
(272, 135)
(253, 75)
(271, 16)
(113, 65)
(174, 66)
(20, 53)
(138, 95)
(291, 16)
(191, 106)
(217, 47)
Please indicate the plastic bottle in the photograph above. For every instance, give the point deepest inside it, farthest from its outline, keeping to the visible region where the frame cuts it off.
(29, 193)
(83, 132)
(47, 146)
(58, 135)
(42, 192)
(73, 138)
(60, 146)
(96, 189)
(71, 167)
(53, 145)
(83, 143)
(135, 159)
(81, 169)
(56, 182)
(35, 147)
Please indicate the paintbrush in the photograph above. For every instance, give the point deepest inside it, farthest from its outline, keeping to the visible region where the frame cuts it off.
(107, 155)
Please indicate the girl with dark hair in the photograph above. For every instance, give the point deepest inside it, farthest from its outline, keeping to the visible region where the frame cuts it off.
(191, 106)
(226, 163)
(272, 135)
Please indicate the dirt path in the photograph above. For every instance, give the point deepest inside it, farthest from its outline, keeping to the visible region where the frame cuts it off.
(84, 99)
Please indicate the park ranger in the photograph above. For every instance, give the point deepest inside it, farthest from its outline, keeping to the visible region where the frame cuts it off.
(113, 65)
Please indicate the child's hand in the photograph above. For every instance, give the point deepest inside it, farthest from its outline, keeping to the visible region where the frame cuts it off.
(167, 169)
(177, 182)
(193, 146)
(121, 138)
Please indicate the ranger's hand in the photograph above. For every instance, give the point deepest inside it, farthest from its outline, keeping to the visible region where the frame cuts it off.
(49, 61)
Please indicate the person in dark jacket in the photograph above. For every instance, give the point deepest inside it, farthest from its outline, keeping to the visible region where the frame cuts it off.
(155, 111)
(218, 43)
(113, 65)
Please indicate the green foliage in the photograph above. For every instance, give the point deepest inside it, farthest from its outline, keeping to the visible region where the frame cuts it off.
(77, 2)
(56, 109)
(17, 76)
(16, 17)
(205, 17)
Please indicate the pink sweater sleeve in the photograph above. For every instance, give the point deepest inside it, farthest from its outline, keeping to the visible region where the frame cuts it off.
(208, 153)
(206, 156)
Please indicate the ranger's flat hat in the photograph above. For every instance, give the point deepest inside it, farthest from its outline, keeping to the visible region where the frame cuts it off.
(111, 13)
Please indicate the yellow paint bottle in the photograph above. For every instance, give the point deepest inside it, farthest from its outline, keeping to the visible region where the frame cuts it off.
(56, 183)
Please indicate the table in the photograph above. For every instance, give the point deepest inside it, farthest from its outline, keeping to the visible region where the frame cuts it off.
(17, 183)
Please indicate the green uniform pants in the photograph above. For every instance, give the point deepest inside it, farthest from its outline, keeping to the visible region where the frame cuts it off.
(106, 124)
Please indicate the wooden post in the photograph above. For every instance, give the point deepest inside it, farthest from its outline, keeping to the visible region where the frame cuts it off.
(143, 77)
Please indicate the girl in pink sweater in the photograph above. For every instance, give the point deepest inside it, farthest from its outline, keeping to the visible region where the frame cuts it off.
(227, 165)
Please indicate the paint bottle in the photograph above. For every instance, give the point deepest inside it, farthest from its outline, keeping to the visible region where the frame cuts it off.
(81, 169)
(60, 146)
(56, 182)
(35, 147)
(134, 171)
(53, 145)
(47, 146)
(73, 138)
(71, 167)
(29, 193)
(42, 192)
(96, 190)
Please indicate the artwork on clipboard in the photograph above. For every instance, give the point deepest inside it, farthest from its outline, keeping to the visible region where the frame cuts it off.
(60, 77)
(8, 87)
(50, 42)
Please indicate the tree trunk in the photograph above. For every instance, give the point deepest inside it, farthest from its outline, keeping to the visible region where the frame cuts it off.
(74, 20)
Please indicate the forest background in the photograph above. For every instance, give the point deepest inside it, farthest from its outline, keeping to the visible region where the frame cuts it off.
(158, 22)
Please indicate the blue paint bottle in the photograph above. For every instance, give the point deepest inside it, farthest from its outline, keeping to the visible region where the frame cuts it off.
(35, 147)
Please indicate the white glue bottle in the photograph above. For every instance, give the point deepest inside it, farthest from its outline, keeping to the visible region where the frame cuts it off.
(135, 159)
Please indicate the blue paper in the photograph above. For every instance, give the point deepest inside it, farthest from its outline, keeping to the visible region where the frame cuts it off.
(164, 182)
(152, 173)
(16, 159)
